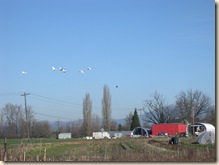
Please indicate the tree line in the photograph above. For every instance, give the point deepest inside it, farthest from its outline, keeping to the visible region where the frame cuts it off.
(190, 105)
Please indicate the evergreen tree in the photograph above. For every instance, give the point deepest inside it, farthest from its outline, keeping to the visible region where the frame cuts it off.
(135, 121)
(120, 127)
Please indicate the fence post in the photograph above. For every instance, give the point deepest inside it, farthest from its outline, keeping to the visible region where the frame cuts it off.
(44, 158)
(5, 149)
(40, 146)
(24, 156)
(21, 149)
(1, 155)
(105, 151)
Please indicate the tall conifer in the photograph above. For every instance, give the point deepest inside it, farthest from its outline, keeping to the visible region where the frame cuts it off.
(135, 121)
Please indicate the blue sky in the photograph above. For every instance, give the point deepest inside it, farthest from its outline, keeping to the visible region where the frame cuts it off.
(142, 46)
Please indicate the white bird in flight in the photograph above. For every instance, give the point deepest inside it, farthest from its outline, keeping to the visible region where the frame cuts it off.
(53, 68)
(81, 71)
(89, 68)
(63, 70)
(23, 73)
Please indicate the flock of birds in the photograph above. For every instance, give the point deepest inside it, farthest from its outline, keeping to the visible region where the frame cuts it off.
(63, 70)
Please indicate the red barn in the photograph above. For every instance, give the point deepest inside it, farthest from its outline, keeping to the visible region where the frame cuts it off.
(171, 129)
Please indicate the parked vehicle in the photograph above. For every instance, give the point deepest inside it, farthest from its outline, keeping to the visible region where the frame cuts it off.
(170, 129)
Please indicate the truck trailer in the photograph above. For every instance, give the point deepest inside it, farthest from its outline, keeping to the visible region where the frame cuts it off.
(170, 129)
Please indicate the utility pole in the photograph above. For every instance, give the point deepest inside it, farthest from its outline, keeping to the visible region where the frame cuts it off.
(193, 120)
(25, 104)
(141, 120)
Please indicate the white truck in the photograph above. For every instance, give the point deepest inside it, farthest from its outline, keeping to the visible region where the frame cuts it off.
(101, 135)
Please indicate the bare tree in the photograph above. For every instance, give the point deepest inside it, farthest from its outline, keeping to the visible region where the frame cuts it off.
(95, 123)
(87, 115)
(13, 118)
(76, 127)
(106, 108)
(41, 129)
(114, 125)
(19, 118)
(210, 116)
(30, 120)
(128, 121)
(68, 126)
(59, 127)
(191, 104)
(1, 123)
(15, 124)
(156, 109)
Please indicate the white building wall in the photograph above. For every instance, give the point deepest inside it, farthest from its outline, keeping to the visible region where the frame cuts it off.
(100, 135)
(64, 136)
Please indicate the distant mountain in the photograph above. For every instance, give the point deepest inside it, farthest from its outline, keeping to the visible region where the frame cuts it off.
(53, 124)
(120, 121)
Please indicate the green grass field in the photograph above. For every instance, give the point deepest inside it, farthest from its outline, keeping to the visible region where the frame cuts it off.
(124, 149)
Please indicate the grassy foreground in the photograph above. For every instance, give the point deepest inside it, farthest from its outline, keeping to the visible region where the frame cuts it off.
(124, 149)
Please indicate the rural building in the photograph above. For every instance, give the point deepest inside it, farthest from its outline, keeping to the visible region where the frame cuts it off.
(101, 135)
(140, 131)
(171, 129)
(201, 127)
(110, 134)
(119, 134)
(207, 137)
(64, 136)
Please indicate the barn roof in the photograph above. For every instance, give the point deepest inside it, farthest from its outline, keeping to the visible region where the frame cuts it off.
(145, 132)
(206, 138)
(208, 126)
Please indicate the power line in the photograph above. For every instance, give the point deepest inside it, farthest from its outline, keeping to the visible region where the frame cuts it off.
(58, 117)
(9, 94)
(70, 103)
(49, 101)
(56, 109)
(60, 101)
